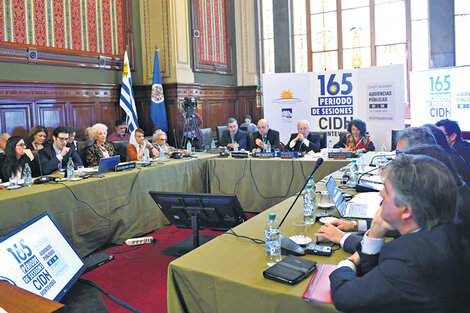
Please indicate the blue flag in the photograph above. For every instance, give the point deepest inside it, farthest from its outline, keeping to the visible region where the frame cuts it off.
(157, 108)
(127, 101)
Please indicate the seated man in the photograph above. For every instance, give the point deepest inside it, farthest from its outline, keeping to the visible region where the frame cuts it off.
(233, 137)
(426, 269)
(454, 138)
(3, 142)
(120, 133)
(304, 140)
(263, 135)
(55, 155)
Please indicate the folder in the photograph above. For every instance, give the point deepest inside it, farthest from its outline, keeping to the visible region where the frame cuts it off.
(318, 288)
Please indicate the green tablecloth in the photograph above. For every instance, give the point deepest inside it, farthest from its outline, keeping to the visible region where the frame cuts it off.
(261, 183)
(116, 210)
(225, 274)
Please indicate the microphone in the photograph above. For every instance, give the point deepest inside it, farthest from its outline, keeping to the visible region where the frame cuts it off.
(41, 179)
(317, 165)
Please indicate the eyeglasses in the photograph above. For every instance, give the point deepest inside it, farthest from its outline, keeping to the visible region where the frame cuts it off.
(62, 139)
(22, 145)
(302, 128)
(399, 153)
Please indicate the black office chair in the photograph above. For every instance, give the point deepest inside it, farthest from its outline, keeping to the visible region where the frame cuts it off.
(82, 148)
(394, 141)
(323, 138)
(121, 149)
(249, 135)
(220, 130)
(206, 136)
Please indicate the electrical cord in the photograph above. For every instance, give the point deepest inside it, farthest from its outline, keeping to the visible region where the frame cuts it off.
(233, 233)
(107, 294)
(130, 192)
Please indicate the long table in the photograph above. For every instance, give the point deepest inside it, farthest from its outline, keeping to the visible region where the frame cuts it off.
(111, 209)
(261, 183)
(225, 274)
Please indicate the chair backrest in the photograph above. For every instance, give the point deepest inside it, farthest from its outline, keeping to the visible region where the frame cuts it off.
(121, 148)
(323, 138)
(394, 141)
(249, 135)
(220, 130)
(206, 136)
(82, 147)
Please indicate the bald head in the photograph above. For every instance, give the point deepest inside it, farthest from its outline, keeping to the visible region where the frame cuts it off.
(263, 127)
(3, 140)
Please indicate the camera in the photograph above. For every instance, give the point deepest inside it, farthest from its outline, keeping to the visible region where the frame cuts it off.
(189, 106)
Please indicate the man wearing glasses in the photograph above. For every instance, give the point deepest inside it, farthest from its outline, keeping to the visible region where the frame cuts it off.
(304, 140)
(454, 138)
(54, 156)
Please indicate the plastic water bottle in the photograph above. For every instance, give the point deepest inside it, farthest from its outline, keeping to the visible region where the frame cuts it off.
(27, 177)
(273, 241)
(268, 146)
(189, 148)
(330, 146)
(213, 144)
(146, 156)
(162, 152)
(361, 166)
(353, 174)
(382, 155)
(310, 205)
(70, 169)
(235, 148)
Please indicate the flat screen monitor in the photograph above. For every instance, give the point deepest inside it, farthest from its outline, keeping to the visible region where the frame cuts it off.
(38, 258)
(215, 211)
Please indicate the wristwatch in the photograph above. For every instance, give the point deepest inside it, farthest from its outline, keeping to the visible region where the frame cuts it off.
(356, 225)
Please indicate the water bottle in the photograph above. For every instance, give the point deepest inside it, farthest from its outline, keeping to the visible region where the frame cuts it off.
(330, 146)
(146, 156)
(353, 174)
(361, 166)
(268, 146)
(162, 152)
(28, 179)
(70, 169)
(189, 148)
(273, 241)
(235, 148)
(213, 144)
(310, 205)
(382, 155)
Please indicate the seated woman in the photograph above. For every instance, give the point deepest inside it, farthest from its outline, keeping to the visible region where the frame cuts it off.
(248, 124)
(13, 160)
(100, 148)
(136, 148)
(36, 138)
(159, 142)
(357, 140)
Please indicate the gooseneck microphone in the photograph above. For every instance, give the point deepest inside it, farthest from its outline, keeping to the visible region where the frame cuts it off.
(317, 165)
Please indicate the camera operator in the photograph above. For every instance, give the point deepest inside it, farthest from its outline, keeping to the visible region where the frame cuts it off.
(189, 122)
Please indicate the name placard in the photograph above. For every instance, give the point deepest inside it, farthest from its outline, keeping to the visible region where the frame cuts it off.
(124, 167)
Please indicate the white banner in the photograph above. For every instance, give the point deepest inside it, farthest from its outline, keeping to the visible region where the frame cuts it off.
(330, 99)
(439, 94)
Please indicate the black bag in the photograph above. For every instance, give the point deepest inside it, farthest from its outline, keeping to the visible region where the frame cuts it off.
(290, 270)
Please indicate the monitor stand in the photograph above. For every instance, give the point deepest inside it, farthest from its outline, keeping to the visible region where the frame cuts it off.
(189, 243)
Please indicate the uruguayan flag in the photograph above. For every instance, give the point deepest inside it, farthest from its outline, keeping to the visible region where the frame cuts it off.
(127, 101)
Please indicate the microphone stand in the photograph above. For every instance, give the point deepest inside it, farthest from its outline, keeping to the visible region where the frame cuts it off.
(317, 165)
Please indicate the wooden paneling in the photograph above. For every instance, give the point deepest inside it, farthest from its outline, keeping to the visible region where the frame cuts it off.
(25, 104)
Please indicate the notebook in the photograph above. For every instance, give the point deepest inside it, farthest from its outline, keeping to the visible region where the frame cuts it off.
(318, 288)
(106, 165)
(290, 270)
(355, 210)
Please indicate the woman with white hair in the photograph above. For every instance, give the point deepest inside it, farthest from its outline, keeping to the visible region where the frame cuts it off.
(100, 148)
(159, 142)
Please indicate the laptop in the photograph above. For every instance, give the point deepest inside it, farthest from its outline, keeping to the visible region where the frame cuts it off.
(106, 165)
(345, 209)
(38, 258)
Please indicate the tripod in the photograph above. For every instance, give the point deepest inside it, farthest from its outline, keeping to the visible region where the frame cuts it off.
(189, 129)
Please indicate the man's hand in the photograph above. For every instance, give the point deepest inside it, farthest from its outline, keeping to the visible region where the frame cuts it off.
(379, 227)
(64, 151)
(29, 154)
(259, 143)
(330, 232)
(300, 137)
(355, 258)
(343, 225)
(233, 145)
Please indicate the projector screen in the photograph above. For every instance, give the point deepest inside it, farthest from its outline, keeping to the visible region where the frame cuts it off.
(439, 94)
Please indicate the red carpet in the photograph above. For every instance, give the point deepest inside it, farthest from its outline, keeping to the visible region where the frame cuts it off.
(138, 274)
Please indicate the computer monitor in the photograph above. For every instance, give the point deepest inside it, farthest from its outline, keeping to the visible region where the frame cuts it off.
(38, 258)
(108, 164)
(196, 211)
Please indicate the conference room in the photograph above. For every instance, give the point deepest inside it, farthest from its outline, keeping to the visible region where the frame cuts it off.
(331, 80)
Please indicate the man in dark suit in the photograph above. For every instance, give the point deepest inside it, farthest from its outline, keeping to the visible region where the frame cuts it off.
(427, 268)
(56, 154)
(233, 137)
(263, 135)
(304, 140)
(454, 138)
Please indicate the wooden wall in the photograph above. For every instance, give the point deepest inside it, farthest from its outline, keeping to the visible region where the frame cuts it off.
(24, 105)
